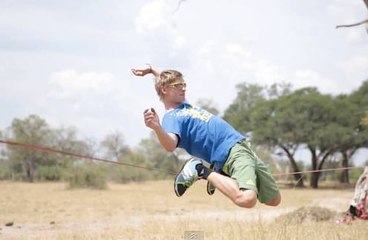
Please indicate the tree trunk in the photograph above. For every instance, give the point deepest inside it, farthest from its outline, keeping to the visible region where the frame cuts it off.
(344, 178)
(314, 180)
(297, 177)
(314, 175)
(29, 170)
(299, 180)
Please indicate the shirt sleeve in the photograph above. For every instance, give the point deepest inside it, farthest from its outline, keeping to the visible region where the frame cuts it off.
(171, 125)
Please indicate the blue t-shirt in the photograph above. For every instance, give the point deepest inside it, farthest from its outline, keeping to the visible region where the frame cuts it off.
(201, 133)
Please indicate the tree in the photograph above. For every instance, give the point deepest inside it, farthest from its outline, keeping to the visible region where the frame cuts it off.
(65, 139)
(254, 113)
(158, 158)
(347, 141)
(31, 130)
(360, 99)
(290, 122)
(248, 97)
(115, 145)
(323, 124)
(307, 118)
(276, 125)
(208, 105)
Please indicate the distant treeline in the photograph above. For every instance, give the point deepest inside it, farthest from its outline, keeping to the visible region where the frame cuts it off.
(278, 120)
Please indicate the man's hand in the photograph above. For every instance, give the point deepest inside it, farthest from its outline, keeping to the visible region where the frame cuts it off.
(144, 71)
(151, 118)
(141, 72)
(168, 140)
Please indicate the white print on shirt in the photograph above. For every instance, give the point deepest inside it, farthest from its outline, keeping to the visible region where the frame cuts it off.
(195, 112)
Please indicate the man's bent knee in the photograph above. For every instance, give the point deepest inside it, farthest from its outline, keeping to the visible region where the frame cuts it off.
(274, 202)
(246, 198)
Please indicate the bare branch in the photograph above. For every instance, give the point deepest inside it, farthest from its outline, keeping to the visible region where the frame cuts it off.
(354, 24)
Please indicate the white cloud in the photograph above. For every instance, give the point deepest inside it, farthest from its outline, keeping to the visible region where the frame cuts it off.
(267, 72)
(68, 83)
(238, 50)
(153, 16)
(355, 70)
(304, 78)
(310, 78)
(255, 69)
(156, 21)
(359, 63)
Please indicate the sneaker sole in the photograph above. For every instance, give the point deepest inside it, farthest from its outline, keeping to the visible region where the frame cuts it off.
(210, 188)
(175, 188)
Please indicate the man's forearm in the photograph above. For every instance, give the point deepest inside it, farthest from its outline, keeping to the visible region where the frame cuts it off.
(166, 140)
(155, 71)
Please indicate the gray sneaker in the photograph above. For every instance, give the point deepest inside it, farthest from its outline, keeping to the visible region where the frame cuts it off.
(186, 176)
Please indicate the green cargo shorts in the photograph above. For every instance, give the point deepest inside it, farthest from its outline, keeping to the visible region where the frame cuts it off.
(250, 172)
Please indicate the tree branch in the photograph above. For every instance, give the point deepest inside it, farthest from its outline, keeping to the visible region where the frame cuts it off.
(353, 25)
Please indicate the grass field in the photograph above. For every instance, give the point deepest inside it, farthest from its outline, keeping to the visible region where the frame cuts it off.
(151, 210)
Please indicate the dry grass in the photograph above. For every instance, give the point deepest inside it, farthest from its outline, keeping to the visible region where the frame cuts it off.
(152, 211)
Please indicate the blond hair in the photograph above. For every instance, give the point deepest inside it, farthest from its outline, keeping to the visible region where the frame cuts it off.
(165, 78)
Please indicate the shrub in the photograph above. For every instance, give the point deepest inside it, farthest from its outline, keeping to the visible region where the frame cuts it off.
(49, 173)
(4, 171)
(87, 176)
(126, 174)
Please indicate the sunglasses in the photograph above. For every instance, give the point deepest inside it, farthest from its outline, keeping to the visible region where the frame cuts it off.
(180, 85)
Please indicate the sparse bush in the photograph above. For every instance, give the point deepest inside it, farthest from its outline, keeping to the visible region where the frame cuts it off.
(87, 176)
(49, 173)
(4, 171)
(126, 174)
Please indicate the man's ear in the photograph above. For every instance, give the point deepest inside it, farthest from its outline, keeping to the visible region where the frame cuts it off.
(163, 90)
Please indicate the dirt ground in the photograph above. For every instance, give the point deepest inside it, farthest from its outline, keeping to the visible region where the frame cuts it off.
(48, 210)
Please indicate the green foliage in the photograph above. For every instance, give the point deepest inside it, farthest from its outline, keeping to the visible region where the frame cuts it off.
(287, 121)
(298, 118)
(31, 130)
(87, 175)
(208, 105)
(49, 173)
(65, 139)
(115, 146)
(360, 97)
(355, 174)
(364, 121)
(237, 114)
(5, 173)
(127, 173)
(158, 158)
(250, 98)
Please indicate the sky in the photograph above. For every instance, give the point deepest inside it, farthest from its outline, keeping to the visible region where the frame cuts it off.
(70, 62)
